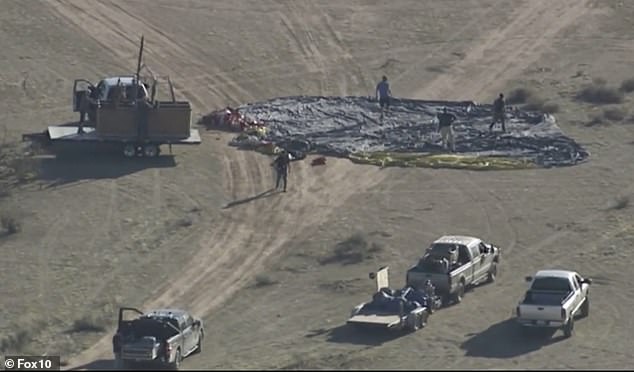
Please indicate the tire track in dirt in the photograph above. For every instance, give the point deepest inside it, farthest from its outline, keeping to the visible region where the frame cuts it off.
(487, 194)
(302, 48)
(51, 235)
(165, 40)
(236, 234)
(456, 36)
(501, 59)
(118, 32)
(549, 24)
(338, 51)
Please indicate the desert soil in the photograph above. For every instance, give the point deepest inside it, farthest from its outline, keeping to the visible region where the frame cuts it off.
(99, 233)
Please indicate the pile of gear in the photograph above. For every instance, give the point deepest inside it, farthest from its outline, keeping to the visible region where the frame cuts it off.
(440, 262)
(252, 131)
(404, 300)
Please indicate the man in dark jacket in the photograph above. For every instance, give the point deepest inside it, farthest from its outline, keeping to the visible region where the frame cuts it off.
(445, 127)
(282, 166)
(499, 106)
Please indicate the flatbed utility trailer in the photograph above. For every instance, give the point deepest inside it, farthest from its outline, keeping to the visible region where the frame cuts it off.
(123, 111)
(130, 146)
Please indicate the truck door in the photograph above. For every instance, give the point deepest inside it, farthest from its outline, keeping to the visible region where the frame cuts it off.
(486, 258)
(466, 256)
(477, 261)
(188, 336)
(80, 88)
(576, 287)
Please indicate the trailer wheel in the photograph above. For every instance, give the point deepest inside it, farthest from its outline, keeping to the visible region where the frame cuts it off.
(129, 150)
(150, 150)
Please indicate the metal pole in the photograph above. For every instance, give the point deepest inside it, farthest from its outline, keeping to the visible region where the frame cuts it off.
(138, 72)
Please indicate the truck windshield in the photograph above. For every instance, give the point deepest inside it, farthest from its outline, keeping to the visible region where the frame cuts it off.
(551, 284)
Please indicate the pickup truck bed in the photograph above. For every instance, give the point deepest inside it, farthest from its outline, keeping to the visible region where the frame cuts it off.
(553, 300)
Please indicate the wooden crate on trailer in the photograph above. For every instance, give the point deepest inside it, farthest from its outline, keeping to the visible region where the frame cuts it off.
(116, 122)
(170, 120)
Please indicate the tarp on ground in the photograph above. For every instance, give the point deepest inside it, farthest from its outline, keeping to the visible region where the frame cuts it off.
(353, 127)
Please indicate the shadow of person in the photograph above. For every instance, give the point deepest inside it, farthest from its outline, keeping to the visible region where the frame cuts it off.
(265, 194)
(507, 339)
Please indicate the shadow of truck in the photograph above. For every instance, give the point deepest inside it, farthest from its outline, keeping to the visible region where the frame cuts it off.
(507, 339)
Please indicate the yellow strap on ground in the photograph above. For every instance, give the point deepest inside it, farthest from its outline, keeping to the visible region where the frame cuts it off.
(268, 149)
(385, 159)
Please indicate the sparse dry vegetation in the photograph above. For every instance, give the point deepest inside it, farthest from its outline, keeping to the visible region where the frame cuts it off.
(614, 114)
(264, 281)
(10, 224)
(529, 101)
(620, 202)
(541, 106)
(519, 96)
(599, 93)
(15, 167)
(14, 342)
(353, 250)
(627, 86)
(87, 324)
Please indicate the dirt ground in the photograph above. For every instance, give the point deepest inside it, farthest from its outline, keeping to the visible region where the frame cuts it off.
(194, 231)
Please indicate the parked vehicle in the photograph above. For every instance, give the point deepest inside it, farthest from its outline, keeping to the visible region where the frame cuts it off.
(453, 263)
(553, 300)
(164, 336)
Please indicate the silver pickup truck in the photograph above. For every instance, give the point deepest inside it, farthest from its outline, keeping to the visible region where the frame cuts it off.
(553, 300)
(453, 263)
(163, 336)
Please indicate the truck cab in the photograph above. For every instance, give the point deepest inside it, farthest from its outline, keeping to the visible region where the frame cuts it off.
(452, 263)
(103, 90)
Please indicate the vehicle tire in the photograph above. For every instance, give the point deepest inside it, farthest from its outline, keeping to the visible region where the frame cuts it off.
(585, 308)
(129, 150)
(569, 327)
(493, 272)
(150, 150)
(177, 361)
(199, 347)
(423, 319)
(459, 294)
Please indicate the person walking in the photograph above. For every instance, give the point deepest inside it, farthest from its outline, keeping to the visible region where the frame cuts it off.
(499, 107)
(383, 94)
(282, 165)
(445, 127)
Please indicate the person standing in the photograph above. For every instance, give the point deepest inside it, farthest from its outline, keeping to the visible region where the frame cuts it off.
(383, 94)
(282, 166)
(445, 127)
(499, 107)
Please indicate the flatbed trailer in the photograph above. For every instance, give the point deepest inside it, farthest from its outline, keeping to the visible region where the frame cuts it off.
(129, 146)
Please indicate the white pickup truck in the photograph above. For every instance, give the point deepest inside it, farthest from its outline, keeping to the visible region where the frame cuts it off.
(553, 300)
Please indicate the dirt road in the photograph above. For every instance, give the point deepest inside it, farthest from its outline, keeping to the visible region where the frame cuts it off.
(467, 51)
